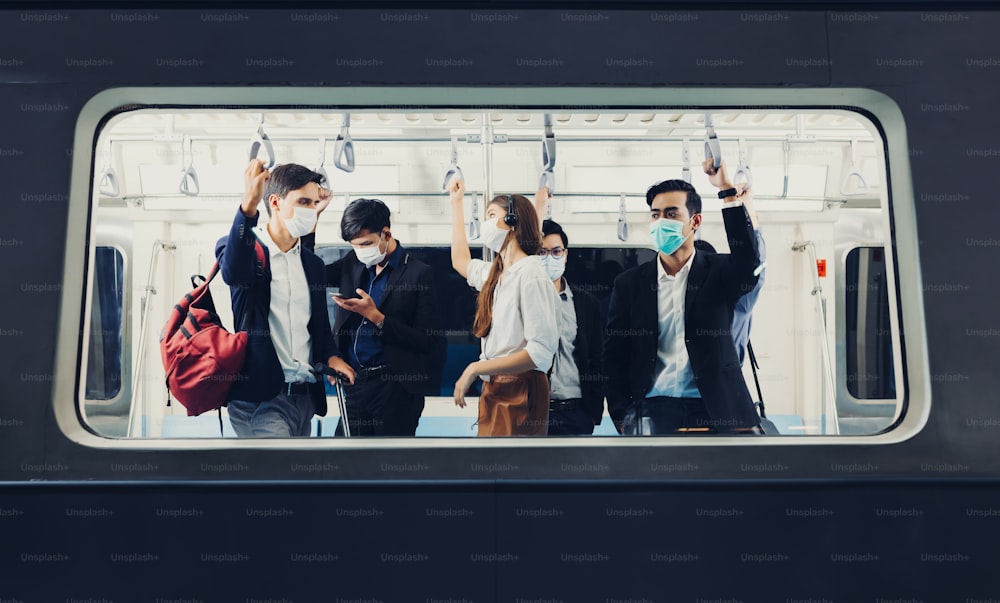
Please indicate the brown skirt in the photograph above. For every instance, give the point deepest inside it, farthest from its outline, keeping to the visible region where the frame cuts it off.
(515, 405)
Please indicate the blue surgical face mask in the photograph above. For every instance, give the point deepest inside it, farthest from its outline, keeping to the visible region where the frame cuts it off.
(668, 235)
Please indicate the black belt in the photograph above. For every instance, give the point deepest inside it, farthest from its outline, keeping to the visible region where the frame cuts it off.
(292, 389)
(364, 374)
(555, 405)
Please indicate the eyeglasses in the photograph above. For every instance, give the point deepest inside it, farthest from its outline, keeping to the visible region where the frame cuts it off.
(557, 252)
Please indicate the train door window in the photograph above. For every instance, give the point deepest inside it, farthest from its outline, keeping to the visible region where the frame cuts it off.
(870, 373)
(104, 352)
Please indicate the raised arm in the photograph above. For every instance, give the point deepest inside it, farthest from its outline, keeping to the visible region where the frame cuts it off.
(542, 203)
(309, 240)
(236, 252)
(460, 254)
(741, 271)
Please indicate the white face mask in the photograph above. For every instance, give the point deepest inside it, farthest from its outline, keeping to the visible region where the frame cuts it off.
(493, 235)
(303, 221)
(369, 256)
(554, 267)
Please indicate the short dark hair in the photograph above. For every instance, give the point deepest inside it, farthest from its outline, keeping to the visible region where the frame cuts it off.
(288, 177)
(363, 214)
(668, 186)
(701, 245)
(551, 227)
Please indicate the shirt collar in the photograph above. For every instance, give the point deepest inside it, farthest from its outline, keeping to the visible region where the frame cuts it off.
(265, 238)
(682, 273)
(394, 259)
(566, 293)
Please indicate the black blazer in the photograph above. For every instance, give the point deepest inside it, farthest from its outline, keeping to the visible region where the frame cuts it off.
(715, 283)
(408, 335)
(261, 377)
(587, 352)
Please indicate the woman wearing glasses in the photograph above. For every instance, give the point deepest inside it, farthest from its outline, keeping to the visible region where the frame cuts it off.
(515, 316)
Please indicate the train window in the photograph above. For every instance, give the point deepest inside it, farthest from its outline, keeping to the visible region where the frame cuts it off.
(870, 371)
(826, 332)
(104, 349)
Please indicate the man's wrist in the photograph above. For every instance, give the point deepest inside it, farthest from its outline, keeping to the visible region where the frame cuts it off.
(728, 193)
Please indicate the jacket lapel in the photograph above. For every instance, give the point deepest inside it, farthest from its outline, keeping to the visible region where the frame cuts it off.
(696, 278)
(390, 285)
(314, 282)
(353, 276)
(647, 307)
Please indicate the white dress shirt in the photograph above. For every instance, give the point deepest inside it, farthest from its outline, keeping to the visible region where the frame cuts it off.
(565, 378)
(290, 309)
(524, 312)
(674, 376)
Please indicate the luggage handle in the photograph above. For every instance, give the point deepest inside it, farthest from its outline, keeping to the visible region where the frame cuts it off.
(322, 369)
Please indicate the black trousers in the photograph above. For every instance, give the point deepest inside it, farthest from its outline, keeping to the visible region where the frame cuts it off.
(380, 407)
(569, 420)
(663, 415)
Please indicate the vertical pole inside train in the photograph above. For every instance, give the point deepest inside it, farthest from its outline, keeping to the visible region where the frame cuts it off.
(138, 383)
(487, 141)
(831, 422)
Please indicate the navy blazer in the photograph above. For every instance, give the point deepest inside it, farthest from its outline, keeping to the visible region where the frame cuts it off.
(408, 335)
(715, 283)
(250, 288)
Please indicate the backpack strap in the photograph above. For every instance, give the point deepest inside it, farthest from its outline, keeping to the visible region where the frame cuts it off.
(754, 366)
(194, 277)
(261, 258)
(261, 265)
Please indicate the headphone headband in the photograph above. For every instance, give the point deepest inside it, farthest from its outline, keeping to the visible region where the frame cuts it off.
(511, 218)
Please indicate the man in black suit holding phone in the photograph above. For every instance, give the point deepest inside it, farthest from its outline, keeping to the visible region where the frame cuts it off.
(672, 367)
(385, 328)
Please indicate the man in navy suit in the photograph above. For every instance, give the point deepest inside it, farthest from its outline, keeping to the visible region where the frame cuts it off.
(671, 363)
(280, 303)
(386, 326)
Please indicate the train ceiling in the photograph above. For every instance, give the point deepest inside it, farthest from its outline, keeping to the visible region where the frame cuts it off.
(201, 122)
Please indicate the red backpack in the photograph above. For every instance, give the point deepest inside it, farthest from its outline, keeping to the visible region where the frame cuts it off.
(201, 359)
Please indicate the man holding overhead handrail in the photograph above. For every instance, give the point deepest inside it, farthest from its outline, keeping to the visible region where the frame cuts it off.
(282, 303)
(669, 355)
